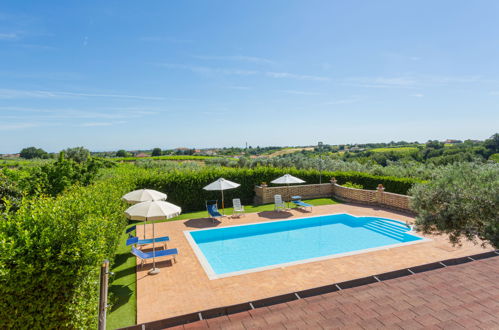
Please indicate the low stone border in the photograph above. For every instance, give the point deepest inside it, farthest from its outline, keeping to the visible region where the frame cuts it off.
(220, 311)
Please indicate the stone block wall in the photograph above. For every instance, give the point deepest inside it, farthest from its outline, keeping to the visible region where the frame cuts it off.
(265, 195)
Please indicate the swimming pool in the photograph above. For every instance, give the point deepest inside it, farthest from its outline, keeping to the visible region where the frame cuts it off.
(240, 249)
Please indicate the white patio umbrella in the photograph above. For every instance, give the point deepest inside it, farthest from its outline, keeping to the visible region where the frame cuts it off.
(153, 210)
(287, 179)
(143, 195)
(222, 184)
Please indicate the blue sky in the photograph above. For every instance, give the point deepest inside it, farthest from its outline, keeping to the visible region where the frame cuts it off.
(140, 74)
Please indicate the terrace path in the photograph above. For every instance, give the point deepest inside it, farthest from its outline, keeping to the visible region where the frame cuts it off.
(465, 296)
(184, 287)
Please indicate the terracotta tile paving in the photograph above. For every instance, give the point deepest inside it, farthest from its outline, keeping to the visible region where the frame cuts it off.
(184, 287)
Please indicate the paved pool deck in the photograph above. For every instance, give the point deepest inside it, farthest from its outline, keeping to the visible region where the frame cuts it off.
(184, 287)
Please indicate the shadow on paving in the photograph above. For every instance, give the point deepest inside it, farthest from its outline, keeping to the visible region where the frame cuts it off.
(275, 214)
(201, 223)
(159, 264)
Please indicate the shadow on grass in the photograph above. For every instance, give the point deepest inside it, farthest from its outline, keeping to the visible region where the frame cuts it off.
(119, 295)
(202, 223)
(120, 259)
(122, 273)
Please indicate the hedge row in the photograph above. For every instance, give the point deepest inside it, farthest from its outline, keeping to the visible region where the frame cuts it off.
(185, 188)
(175, 157)
(51, 249)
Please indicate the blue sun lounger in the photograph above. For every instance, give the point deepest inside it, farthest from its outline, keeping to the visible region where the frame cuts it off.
(143, 256)
(135, 240)
(213, 211)
(301, 204)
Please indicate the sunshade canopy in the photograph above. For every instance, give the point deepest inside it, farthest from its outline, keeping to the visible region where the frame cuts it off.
(221, 184)
(143, 195)
(287, 179)
(152, 210)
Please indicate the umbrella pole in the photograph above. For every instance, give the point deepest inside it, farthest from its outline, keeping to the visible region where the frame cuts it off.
(289, 197)
(223, 206)
(154, 270)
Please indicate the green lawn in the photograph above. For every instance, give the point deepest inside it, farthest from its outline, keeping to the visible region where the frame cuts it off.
(122, 286)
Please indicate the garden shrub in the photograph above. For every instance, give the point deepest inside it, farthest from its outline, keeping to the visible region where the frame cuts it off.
(352, 185)
(9, 193)
(51, 249)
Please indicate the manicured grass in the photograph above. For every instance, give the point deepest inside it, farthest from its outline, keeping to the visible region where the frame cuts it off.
(122, 286)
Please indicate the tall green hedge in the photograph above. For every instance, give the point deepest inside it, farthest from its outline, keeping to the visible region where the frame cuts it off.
(50, 252)
(185, 188)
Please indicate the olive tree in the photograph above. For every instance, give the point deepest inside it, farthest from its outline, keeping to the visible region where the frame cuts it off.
(32, 152)
(462, 201)
(78, 154)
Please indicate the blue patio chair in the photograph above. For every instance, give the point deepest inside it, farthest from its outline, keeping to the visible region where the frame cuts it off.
(213, 210)
(133, 240)
(303, 205)
(143, 256)
(129, 230)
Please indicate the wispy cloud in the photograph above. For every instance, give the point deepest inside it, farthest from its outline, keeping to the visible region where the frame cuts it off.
(9, 36)
(400, 56)
(300, 92)
(99, 124)
(20, 113)
(165, 39)
(418, 95)
(341, 101)
(241, 72)
(239, 58)
(16, 126)
(381, 82)
(208, 70)
(242, 88)
(288, 75)
(18, 94)
(412, 81)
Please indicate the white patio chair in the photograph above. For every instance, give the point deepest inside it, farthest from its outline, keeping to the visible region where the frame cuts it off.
(238, 207)
(279, 204)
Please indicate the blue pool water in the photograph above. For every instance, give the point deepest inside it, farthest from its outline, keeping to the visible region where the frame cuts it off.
(248, 247)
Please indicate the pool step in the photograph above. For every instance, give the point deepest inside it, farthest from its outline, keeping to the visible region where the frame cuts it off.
(389, 231)
(382, 224)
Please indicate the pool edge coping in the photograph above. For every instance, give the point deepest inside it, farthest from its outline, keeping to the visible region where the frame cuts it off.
(205, 264)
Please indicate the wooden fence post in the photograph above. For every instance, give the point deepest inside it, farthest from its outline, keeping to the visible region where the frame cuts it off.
(104, 278)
